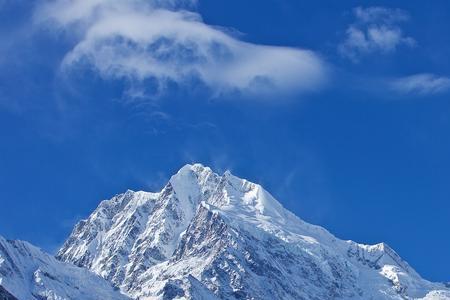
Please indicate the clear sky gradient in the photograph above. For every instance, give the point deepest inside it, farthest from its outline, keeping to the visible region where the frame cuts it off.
(346, 121)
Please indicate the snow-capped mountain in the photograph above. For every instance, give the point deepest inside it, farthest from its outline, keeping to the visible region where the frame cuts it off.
(27, 273)
(210, 236)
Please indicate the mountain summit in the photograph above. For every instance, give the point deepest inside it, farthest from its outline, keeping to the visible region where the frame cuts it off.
(211, 236)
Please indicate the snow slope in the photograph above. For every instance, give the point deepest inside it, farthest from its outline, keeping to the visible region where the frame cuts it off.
(30, 274)
(210, 236)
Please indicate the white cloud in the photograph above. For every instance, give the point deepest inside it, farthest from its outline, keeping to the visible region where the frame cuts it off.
(376, 29)
(377, 14)
(162, 41)
(422, 84)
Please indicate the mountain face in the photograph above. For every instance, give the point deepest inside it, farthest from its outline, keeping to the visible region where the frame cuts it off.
(210, 236)
(27, 273)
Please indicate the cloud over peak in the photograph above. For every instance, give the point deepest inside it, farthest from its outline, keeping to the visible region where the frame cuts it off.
(376, 29)
(164, 42)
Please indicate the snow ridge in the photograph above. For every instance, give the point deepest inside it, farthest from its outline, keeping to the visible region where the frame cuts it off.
(30, 274)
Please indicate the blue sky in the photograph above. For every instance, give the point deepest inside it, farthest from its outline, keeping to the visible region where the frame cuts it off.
(339, 108)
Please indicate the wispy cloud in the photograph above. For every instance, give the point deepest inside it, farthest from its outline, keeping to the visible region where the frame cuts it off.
(422, 84)
(163, 42)
(376, 29)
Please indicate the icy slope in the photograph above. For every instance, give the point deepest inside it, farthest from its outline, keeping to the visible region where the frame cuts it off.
(30, 274)
(207, 236)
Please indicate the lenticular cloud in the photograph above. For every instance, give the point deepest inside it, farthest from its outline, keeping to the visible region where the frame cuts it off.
(165, 42)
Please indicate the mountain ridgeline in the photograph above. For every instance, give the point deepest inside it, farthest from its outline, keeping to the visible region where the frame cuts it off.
(206, 236)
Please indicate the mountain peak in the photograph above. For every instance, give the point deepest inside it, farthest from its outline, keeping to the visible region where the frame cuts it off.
(197, 168)
(226, 237)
